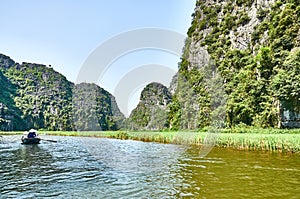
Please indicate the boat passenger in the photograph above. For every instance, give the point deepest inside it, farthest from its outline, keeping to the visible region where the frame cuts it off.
(31, 134)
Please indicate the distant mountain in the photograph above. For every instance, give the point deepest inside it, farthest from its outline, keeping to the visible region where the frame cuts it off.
(151, 112)
(240, 66)
(36, 96)
(95, 109)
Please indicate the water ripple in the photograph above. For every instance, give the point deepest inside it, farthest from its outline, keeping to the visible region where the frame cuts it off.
(107, 168)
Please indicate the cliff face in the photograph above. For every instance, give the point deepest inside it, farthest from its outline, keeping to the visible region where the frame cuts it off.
(151, 112)
(42, 95)
(10, 115)
(5, 61)
(36, 96)
(250, 45)
(95, 109)
(240, 64)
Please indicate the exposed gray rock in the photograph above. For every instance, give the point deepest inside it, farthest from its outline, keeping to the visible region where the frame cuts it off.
(6, 61)
(173, 84)
(151, 112)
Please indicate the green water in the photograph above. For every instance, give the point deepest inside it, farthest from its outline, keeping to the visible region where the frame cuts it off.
(107, 168)
(238, 174)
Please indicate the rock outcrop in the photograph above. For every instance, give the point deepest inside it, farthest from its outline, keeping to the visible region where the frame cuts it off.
(36, 96)
(151, 112)
(246, 43)
(235, 69)
(95, 109)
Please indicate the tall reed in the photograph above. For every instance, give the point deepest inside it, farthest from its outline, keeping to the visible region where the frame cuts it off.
(279, 141)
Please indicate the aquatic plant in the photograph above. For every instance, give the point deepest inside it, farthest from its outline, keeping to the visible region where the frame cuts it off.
(279, 141)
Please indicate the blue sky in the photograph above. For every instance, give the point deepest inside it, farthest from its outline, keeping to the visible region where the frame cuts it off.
(63, 33)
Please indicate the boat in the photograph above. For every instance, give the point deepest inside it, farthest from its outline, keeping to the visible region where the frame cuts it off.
(31, 140)
(30, 137)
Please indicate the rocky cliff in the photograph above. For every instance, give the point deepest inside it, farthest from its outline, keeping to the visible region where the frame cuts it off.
(240, 66)
(252, 45)
(10, 115)
(151, 112)
(42, 95)
(95, 109)
(36, 96)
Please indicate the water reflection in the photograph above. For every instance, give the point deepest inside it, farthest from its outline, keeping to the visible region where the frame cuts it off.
(22, 166)
(31, 157)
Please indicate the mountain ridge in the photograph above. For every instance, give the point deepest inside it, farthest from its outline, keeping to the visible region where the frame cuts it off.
(241, 61)
(240, 64)
(251, 44)
(44, 99)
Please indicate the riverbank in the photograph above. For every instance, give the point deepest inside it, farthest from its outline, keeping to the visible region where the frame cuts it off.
(276, 140)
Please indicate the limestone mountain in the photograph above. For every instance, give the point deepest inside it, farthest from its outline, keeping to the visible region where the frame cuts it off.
(151, 112)
(95, 109)
(10, 115)
(253, 46)
(42, 94)
(36, 96)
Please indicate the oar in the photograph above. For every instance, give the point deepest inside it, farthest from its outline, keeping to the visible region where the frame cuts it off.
(49, 140)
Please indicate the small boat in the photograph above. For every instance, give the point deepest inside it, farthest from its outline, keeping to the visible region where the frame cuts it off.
(30, 137)
(31, 140)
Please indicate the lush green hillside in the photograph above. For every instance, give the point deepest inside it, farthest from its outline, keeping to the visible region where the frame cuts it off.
(36, 96)
(95, 109)
(254, 46)
(151, 112)
(43, 96)
(240, 65)
(10, 115)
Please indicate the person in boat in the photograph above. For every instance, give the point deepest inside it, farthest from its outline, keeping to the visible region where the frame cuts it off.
(32, 134)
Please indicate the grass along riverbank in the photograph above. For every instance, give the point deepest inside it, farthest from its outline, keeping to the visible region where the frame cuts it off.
(277, 140)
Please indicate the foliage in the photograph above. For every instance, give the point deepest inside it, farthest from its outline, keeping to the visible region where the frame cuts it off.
(10, 115)
(286, 83)
(36, 96)
(238, 138)
(174, 114)
(42, 95)
(260, 75)
(260, 79)
(151, 112)
(92, 108)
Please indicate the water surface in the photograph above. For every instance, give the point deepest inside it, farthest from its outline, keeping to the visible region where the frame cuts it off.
(77, 167)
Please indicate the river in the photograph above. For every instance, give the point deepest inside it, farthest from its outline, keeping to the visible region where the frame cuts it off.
(79, 167)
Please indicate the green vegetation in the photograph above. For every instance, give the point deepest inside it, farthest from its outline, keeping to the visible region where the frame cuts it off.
(8, 109)
(93, 109)
(151, 112)
(36, 96)
(260, 68)
(11, 132)
(280, 142)
(239, 66)
(42, 96)
(267, 142)
(239, 138)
